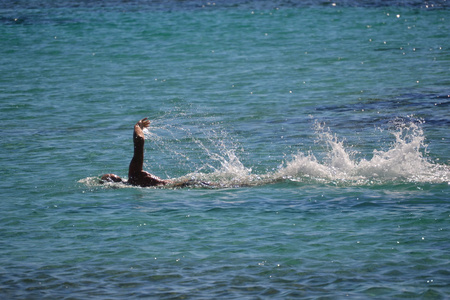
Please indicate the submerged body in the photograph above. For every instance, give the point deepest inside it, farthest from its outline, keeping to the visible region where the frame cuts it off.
(136, 175)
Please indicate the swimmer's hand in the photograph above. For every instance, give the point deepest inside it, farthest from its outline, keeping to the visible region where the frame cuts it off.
(144, 123)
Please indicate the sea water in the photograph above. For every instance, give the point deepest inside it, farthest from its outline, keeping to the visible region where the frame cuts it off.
(322, 128)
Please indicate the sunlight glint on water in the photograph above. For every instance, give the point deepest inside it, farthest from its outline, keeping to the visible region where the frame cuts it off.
(321, 128)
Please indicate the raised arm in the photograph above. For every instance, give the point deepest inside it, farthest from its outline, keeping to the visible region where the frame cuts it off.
(137, 161)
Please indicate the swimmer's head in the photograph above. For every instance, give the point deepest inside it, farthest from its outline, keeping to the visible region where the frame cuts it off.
(111, 178)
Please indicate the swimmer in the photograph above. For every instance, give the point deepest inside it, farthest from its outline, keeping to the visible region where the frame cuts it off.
(137, 176)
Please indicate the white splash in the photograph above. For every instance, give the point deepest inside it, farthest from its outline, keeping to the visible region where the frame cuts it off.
(405, 160)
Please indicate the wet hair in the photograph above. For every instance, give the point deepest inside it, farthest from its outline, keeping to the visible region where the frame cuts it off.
(110, 178)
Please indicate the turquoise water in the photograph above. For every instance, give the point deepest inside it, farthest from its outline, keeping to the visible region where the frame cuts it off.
(322, 126)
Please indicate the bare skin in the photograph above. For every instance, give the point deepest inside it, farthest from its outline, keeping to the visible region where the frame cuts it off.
(136, 175)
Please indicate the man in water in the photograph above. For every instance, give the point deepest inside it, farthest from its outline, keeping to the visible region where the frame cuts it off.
(137, 176)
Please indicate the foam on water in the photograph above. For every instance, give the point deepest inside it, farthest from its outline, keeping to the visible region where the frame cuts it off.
(405, 160)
